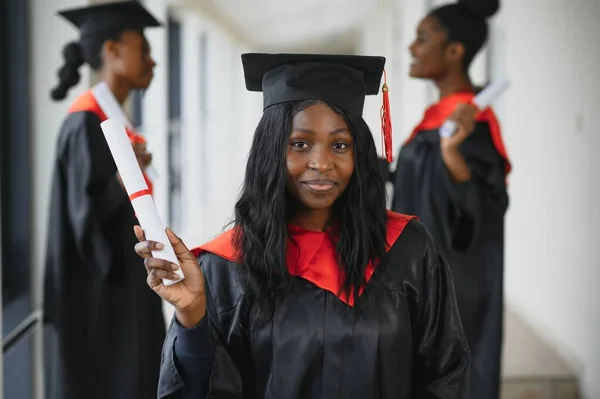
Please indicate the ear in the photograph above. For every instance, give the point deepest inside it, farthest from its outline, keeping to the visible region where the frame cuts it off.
(110, 50)
(455, 52)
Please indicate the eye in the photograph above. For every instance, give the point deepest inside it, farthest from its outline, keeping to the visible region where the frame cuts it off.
(341, 146)
(299, 144)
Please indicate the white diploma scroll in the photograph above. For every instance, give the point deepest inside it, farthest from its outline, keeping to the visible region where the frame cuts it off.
(481, 101)
(141, 200)
(112, 109)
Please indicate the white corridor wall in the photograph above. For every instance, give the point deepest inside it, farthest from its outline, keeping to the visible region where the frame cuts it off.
(548, 49)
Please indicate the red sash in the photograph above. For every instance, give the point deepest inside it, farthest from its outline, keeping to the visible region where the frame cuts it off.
(437, 114)
(311, 255)
(87, 103)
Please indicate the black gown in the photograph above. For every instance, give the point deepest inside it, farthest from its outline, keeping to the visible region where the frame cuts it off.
(467, 220)
(104, 327)
(403, 340)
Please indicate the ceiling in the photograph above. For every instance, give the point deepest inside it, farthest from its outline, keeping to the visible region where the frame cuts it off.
(286, 25)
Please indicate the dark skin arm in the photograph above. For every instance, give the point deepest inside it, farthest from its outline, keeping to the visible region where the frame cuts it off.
(464, 117)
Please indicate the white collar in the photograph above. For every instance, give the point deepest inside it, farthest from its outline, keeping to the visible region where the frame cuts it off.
(109, 104)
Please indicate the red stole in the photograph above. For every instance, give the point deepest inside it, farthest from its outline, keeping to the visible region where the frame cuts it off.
(87, 103)
(311, 254)
(437, 114)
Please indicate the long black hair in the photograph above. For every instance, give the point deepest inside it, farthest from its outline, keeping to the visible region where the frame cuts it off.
(75, 54)
(262, 211)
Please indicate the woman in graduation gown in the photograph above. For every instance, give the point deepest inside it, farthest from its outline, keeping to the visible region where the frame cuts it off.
(317, 291)
(106, 329)
(456, 186)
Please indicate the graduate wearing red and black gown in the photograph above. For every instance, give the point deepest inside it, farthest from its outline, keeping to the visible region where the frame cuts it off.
(399, 337)
(457, 185)
(466, 218)
(105, 330)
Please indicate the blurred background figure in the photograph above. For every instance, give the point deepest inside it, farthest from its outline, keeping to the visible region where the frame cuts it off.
(198, 119)
(457, 185)
(107, 328)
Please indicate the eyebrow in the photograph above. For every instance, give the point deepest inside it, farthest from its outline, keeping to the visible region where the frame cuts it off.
(336, 131)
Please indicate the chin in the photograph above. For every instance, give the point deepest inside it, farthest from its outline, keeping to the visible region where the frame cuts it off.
(143, 85)
(417, 75)
(144, 82)
(315, 204)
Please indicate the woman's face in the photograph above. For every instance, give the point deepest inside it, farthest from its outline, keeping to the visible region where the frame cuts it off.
(131, 60)
(428, 50)
(320, 157)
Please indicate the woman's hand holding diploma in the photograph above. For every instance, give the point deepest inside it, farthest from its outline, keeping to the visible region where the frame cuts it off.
(187, 296)
(137, 189)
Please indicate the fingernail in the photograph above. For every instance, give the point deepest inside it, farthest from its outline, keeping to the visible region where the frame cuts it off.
(159, 246)
(174, 266)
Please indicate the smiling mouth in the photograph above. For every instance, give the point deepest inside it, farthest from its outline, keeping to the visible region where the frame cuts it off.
(319, 186)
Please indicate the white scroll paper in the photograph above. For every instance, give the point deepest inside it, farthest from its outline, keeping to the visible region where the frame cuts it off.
(112, 109)
(481, 101)
(133, 180)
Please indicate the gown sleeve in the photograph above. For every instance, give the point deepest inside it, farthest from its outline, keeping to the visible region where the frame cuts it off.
(192, 370)
(93, 193)
(187, 361)
(456, 210)
(441, 352)
(466, 201)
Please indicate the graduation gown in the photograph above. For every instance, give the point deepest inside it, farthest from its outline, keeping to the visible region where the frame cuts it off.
(467, 219)
(403, 339)
(105, 328)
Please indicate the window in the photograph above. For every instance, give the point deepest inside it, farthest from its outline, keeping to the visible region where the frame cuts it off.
(175, 152)
(137, 108)
(18, 318)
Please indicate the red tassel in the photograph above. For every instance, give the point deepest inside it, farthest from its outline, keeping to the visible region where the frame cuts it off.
(386, 121)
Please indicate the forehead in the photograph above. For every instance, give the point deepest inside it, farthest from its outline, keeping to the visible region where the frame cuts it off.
(133, 36)
(430, 25)
(316, 114)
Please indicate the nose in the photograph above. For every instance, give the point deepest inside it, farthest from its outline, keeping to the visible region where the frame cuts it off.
(411, 48)
(320, 160)
(152, 63)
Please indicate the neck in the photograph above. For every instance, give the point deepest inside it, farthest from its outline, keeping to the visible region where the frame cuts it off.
(454, 82)
(312, 220)
(119, 90)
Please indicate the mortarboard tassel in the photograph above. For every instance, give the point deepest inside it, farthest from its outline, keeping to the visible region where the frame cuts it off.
(386, 121)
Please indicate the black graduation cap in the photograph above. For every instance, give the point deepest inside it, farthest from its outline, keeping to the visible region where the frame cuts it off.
(110, 17)
(343, 80)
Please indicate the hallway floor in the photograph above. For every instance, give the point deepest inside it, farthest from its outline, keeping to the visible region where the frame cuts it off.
(532, 369)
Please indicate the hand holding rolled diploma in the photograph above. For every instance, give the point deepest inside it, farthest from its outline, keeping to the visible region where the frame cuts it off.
(142, 155)
(187, 296)
(481, 101)
(135, 185)
(463, 118)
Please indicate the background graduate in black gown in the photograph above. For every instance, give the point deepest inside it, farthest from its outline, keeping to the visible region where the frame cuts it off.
(317, 291)
(457, 186)
(106, 329)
